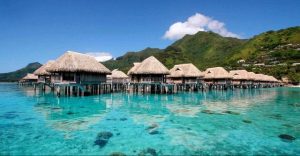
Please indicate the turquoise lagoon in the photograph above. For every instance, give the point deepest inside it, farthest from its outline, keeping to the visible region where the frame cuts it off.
(243, 122)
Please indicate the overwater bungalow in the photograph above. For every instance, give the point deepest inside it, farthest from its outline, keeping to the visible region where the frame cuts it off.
(43, 75)
(262, 80)
(186, 77)
(184, 74)
(149, 76)
(252, 76)
(118, 80)
(258, 80)
(29, 79)
(78, 70)
(273, 81)
(117, 76)
(217, 77)
(148, 71)
(241, 78)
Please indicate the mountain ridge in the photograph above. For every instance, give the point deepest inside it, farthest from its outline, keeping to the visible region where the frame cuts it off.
(18, 74)
(271, 52)
(208, 49)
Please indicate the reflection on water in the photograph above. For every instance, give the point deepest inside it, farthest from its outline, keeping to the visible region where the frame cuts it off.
(70, 114)
(216, 122)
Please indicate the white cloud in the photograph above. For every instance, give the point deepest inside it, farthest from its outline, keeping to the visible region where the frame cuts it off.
(101, 56)
(195, 23)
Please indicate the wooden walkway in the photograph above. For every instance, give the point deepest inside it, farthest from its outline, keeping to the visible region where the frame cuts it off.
(75, 89)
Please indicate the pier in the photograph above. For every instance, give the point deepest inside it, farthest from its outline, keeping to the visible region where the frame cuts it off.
(76, 74)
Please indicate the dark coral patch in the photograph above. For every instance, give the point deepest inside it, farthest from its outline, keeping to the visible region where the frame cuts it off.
(207, 111)
(276, 116)
(247, 121)
(70, 113)
(148, 151)
(287, 125)
(9, 115)
(102, 138)
(231, 112)
(123, 119)
(286, 137)
(153, 132)
(152, 126)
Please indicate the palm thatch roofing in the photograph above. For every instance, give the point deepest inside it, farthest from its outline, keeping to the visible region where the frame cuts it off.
(30, 76)
(135, 66)
(42, 69)
(185, 70)
(216, 73)
(252, 75)
(259, 77)
(149, 66)
(240, 75)
(273, 79)
(77, 62)
(262, 77)
(117, 74)
(266, 78)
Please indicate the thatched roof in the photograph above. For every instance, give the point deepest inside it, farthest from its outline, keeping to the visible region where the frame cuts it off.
(117, 74)
(259, 77)
(42, 69)
(239, 75)
(30, 76)
(135, 66)
(262, 77)
(185, 70)
(273, 79)
(252, 75)
(266, 78)
(77, 62)
(150, 66)
(216, 73)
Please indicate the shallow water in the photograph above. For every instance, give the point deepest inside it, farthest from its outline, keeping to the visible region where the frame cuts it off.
(242, 122)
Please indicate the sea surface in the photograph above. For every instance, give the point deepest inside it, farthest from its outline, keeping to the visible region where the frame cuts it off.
(240, 122)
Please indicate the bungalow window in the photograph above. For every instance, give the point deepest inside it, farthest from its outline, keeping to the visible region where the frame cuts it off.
(68, 76)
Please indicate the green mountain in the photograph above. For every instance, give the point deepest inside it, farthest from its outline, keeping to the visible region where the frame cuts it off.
(125, 62)
(272, 52)
(17, 75)
(277, 50)
(204, 49)
(196, 48)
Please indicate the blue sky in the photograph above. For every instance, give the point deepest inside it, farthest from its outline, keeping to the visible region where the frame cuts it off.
(39, 30)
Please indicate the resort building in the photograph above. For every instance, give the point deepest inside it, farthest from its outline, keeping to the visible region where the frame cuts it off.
(29, 79)
(217, 77)
(117, 76)
(149, 76)
(43, 75)
(241, 78)
(148, 71)
(118, 81)
(252, 76)
(73, 67)
(78, 74)
(262, 80)
(185, 74)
